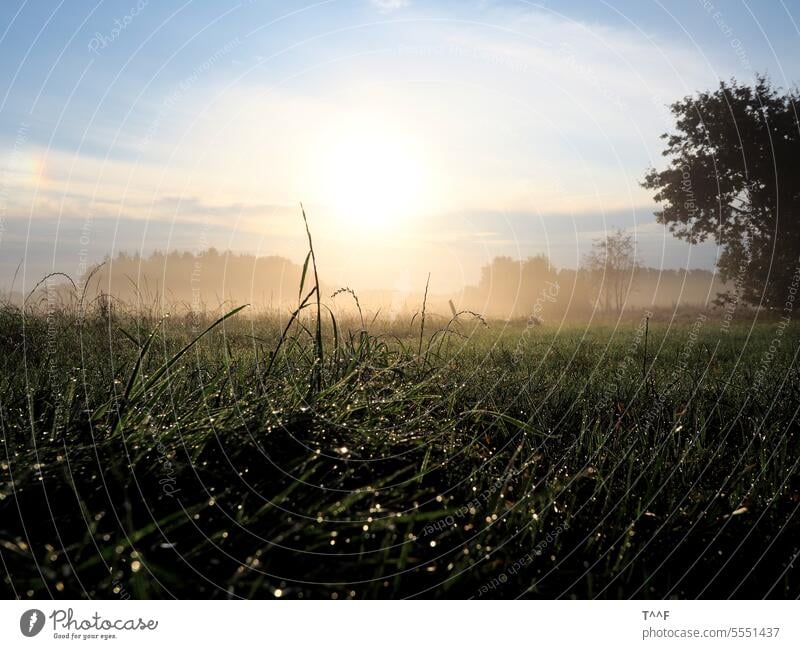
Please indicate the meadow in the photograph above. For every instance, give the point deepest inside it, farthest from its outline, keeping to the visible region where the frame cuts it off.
(246, 455)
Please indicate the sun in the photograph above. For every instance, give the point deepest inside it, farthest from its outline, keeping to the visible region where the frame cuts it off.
(374, 179)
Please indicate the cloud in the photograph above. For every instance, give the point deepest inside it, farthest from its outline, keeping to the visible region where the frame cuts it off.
(390, 5)
(534, 131)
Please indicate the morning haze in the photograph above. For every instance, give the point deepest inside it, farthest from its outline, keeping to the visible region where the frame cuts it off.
(388, 299)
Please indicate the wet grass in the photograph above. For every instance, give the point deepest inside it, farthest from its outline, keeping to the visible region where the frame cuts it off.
(314, 456)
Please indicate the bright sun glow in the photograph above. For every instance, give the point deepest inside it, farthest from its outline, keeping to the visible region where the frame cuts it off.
(374, 179)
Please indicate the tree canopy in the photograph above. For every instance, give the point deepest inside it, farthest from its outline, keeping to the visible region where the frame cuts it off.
(612, 263)
(733, 176)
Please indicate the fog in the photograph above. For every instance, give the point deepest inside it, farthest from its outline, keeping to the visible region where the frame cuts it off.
(508, 289)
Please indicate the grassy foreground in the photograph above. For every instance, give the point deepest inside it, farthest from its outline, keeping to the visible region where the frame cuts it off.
(392, 461)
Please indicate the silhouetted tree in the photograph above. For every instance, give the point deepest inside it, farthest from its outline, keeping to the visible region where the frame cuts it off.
(733, 175)
(611, 264)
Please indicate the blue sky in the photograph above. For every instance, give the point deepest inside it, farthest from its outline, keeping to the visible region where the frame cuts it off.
(422, 136)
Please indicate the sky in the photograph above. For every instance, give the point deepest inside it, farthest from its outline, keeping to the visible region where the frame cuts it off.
(421, 136)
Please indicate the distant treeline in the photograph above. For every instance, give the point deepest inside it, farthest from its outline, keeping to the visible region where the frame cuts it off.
(512, 288)
(198, 281)
(507, 288)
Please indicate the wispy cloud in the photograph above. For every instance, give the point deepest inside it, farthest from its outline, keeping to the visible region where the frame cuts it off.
(530, 128)
(390, 5)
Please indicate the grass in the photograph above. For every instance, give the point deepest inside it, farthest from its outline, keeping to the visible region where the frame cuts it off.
(255, 456)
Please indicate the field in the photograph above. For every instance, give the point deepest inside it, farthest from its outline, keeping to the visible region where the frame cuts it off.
(253, 456)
